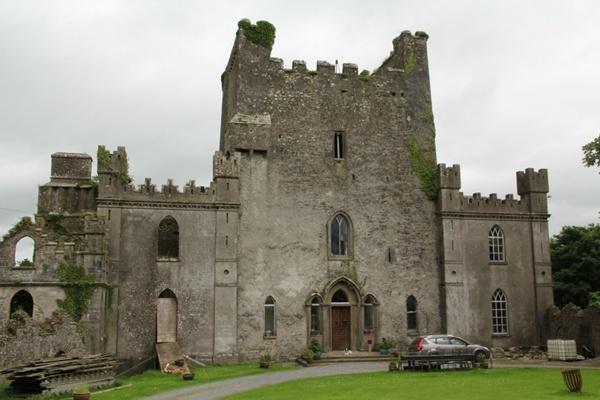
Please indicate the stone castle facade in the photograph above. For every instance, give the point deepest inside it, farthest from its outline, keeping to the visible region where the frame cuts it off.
(326, 219)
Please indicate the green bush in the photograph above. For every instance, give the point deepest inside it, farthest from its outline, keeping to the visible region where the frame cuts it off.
(262, 33)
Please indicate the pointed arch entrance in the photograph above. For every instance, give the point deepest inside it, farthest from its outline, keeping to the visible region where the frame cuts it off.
(342, 297)
(166, 317)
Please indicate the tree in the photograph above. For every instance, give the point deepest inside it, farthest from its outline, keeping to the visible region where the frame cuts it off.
(575, 254)
(591, 153)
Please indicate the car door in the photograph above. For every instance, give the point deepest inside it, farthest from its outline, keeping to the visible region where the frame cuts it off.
(458, 345)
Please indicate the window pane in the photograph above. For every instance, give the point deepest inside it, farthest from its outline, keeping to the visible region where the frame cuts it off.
(315, 318)
(269, 320)
(368, 316)
(335, 238)
(411, 320)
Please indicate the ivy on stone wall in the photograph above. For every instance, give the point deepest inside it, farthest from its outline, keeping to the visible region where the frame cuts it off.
(55, 223)
(24, 224)
(78, 287)
(105, 161)
(262, 33)
(423, 163)
(104, 157)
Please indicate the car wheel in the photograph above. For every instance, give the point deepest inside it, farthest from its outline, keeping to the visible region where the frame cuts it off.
(480, 356)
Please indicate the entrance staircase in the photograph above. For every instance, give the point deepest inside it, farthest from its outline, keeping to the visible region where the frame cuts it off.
(356, 356)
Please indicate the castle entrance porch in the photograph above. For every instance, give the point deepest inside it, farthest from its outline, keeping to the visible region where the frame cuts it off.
(341, 305)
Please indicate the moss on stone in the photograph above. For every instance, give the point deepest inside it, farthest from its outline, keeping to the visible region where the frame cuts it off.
(262, 33)
(104, 157)
(364, 75)
(422, 160)
(24, 224)
(411, 61)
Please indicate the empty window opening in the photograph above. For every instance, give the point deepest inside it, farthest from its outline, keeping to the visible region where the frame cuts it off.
(315, 316)
(270, 317)
(496, 244)
(109, 215)
(499, 313)
(391, 255)
(24, 252)
(227, 185)
(21, 301)
(411, 313)
(340, 235)
(226, 218)
(338, 145)
(226, 241)
(168, 239)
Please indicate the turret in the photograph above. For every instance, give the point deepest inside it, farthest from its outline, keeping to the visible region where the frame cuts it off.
(533, 187)
(449, 184)
(113, 169)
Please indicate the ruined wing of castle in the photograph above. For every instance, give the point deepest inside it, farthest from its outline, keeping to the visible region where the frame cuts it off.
(327, 218)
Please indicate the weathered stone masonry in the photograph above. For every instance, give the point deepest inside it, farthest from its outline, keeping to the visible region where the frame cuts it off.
(250, 263)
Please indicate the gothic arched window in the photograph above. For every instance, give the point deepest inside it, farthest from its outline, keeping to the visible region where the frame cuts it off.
(270, 327)
(340, 236)
(499, 313)
(496, 244)
(168, 239)
(369, 314)
(411, 313)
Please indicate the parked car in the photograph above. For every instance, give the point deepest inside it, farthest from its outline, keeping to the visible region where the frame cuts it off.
(448, 344)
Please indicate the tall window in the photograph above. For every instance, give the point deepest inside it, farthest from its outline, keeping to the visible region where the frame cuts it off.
(369, 320)
(270, 317)
(338, 145)
(168, 239)
(24, 252)
(340, 235)
(496, 243)
(315, 316)
(411, 313)
(21, 301)
(499, 313)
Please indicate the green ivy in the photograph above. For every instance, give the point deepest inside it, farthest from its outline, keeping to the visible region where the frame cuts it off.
(364, 75)
(428, 113)
(423, 163)
(411, 61)
(313, 73)
(24, 224)
(55, 223)
(104, 157)
(262, 33)
(78, 287)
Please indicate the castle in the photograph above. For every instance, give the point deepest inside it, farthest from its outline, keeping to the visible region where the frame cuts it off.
(327, 218)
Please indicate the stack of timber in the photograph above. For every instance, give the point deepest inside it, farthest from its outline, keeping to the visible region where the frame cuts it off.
(62, 374)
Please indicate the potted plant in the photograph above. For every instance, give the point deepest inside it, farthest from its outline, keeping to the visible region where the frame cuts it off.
(316, 348)
(81, 392)
(308, 355)
(265, 359)
(385, 346)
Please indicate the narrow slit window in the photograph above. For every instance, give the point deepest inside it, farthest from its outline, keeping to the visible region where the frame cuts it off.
(315, 316)
(338, 146)
(411, 313)
(270, 317)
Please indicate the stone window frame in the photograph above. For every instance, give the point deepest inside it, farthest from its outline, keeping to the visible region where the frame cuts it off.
(499, 308)
(168, 258)
(412, 308)
(16, 241)
(496, 245)
(350, 246)
(339, 145)
(270, 306)
(316, 309)
(370, 302)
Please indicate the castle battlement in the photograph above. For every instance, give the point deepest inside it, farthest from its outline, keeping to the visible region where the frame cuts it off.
(452, 200)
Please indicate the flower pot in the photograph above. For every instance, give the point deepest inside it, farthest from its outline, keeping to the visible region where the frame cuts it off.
(82, 396)
(572, 378)
(384, 351)
(264, 364)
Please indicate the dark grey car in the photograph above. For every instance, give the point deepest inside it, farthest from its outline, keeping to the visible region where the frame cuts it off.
(448, 344)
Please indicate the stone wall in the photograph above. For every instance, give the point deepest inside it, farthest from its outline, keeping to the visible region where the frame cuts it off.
(572, 322)
(23, 339)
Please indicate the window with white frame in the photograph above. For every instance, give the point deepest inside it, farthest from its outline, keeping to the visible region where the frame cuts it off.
(499, 313)
(496, 244)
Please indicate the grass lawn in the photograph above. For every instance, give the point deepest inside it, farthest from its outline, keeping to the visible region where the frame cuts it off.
(152, 382)
(492, 384)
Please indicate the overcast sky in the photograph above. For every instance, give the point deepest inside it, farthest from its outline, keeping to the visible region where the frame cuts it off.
(515, 84)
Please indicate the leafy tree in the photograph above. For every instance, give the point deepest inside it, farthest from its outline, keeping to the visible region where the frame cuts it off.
(591, 153)
(575, 253)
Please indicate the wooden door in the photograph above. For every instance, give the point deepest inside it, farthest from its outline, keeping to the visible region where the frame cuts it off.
(340, 328)
(166, 320)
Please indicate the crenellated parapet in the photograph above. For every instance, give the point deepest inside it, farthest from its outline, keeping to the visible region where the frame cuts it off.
(115, 192)
(452, 201)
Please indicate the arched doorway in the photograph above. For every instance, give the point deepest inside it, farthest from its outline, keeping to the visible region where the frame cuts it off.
(341, 321)
(21, 301)
(166, 317)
